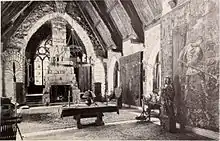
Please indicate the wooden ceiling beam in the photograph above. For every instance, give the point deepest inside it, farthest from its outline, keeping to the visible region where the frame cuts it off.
(6, 6)
(135, 19)
(9, 31)
(20, 12)
(100, 26)
(11, 12)
(101, 8)
(92, 28)
(112, 7)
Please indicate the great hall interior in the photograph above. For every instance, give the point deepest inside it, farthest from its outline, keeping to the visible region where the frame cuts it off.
(52, 52)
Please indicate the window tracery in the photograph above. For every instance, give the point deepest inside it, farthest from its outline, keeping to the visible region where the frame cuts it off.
(41, 62)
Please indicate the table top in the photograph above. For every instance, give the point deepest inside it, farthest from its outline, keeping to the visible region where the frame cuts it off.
(94, 105)
(85, 109)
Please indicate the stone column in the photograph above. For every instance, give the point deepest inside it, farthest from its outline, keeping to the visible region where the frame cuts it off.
(58, 49)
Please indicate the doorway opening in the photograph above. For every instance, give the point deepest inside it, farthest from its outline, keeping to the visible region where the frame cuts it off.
(156, 75)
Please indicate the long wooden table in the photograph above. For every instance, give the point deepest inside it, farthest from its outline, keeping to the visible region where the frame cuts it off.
(79, 111)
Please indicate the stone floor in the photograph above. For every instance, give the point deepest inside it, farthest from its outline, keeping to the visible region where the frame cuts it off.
(44, 123)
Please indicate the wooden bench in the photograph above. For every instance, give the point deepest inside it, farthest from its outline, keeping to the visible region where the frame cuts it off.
(83, 111)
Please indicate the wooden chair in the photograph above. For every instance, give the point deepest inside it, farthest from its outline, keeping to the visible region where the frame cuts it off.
(151, 105)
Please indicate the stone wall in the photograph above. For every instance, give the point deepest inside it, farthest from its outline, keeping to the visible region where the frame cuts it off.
(9, 57)
(151, 50)
(195, 74)
(131, 48)
(99, 74)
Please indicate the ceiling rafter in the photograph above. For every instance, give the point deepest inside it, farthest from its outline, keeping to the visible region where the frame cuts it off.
(148, 10)
(20, 12)
(11, 11)
(115, 17)
(101, 8)
(100, 25)
(135, 19)
(112, 6)
(92, 28)
(5, 6)
(122, 20)
(12, 27)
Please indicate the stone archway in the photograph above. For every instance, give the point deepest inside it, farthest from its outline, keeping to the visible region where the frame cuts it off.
(32, 23)
(79, 30)
(112, 64)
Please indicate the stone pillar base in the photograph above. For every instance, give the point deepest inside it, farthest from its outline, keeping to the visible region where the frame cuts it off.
(75, 96)
(169, 124)
(46, 99)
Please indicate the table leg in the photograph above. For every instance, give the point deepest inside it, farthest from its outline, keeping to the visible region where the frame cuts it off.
(149, 112)
(79, 125)
(99, 120)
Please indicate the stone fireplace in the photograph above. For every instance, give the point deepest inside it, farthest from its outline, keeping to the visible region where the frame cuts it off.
(60, 70)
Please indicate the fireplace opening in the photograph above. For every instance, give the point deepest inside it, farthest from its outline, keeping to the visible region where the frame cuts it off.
(59, 93)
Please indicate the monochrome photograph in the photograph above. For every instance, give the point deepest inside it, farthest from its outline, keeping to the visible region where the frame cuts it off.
(109, 70)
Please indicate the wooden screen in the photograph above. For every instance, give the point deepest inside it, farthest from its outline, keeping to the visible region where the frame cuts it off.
(84, 78)
(131, 78)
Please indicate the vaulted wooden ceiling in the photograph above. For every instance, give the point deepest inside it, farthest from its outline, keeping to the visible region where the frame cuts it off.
(111, 21)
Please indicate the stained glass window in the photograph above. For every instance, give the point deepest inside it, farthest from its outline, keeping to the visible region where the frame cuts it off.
(41, 62)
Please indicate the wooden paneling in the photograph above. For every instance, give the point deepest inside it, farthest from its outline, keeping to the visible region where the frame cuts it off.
(135, 20)
(115, 34)
(120, 18)
(131, 78)
(155, 6)
(143, 11)
(84, 78)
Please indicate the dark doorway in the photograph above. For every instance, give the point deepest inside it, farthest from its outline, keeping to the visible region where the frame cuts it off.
(59, 93)
(84, 78)
(116, 76)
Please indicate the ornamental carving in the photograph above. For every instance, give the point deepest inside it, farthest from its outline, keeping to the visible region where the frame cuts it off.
(14, 59)
(18, 38)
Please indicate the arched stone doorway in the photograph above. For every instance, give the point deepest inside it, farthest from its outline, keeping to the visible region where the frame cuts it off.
(156, 75)
(113, 75)
(40, 54)
(22, 41)
(116, 81)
